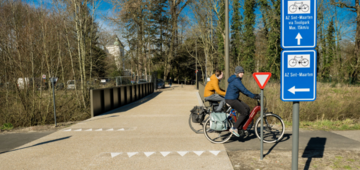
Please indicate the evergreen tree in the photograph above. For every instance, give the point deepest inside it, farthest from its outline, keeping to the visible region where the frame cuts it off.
(330, 41)
(249, 37)
(236, 31)
(321, 47)
(158, 20)
(273, 49)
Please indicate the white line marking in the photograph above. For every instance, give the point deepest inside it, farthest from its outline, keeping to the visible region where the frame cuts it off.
(113, 154)
(164, 153)
(130, 154)
(215, 152)
(99, 130)
(68, 130)
(78, 130)
(148, 153)
(110, 129)
(198, 152)
(182, 153)
(122, 129)
(88, 130)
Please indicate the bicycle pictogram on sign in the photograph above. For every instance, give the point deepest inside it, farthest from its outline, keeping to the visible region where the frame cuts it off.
(299, 61)
(299, 7)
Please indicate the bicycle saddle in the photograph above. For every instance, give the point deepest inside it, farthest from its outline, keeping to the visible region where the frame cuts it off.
(212, 103)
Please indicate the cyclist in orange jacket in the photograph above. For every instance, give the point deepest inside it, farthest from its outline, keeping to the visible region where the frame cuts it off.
(213, 86)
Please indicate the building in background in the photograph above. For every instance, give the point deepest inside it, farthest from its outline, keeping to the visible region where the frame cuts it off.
(116, 49)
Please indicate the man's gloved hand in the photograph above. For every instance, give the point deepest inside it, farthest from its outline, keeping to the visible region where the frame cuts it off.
(257, 96)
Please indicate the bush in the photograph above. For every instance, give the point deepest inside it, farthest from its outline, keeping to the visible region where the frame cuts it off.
(7, 126)
(25, 108)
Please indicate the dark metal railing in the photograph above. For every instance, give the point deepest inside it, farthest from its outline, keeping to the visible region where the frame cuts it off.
(104, 100)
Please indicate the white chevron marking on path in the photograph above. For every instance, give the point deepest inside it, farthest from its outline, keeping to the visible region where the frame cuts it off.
(130, 154)
(148, 153)
(115, 154)
(164, 153)
(215, 152)
(182, 153)
(198, 152)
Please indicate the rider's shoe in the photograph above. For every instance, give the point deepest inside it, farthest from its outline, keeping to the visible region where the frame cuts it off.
(235, 132)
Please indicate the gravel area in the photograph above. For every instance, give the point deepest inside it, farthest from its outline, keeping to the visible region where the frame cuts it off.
(278, 160)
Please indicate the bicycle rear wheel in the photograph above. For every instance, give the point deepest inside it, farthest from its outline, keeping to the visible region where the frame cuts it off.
(196, 127)
(216, 136)
(274, 128)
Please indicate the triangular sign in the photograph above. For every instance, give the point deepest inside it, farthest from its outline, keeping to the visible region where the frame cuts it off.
(262, 78)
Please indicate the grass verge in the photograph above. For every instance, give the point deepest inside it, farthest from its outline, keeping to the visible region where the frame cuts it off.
(328, 125)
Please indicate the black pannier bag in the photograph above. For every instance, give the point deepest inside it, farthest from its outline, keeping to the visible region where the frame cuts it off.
(197, 114)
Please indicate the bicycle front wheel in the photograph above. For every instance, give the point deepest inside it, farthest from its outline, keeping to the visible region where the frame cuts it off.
(293, 8)
(217, 136)
(274, 128)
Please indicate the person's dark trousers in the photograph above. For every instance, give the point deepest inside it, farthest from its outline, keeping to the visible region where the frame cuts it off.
(217, 98)
(241, 108)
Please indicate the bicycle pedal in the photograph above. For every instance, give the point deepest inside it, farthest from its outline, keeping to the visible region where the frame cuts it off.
(241, 132)
(210, 131)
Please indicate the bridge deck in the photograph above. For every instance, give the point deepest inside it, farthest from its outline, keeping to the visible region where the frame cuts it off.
(152, 133)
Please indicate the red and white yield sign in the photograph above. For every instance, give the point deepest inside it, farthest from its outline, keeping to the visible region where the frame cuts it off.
(262, 78)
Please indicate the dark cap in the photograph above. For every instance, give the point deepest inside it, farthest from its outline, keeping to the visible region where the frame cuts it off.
(239, 69)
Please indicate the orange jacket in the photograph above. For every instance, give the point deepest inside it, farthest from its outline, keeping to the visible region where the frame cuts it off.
(212, 86)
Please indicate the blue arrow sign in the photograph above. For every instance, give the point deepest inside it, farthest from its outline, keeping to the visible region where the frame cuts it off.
(298, 75)
(298, 24)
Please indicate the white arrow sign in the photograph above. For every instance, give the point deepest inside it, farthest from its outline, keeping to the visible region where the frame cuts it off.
(298, 37)
(293, 90)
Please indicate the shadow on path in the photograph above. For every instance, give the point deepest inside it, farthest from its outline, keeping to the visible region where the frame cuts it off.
(285, 138)
(42, 143)
(314, 149)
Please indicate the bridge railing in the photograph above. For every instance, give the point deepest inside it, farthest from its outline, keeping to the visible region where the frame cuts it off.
(106, 99)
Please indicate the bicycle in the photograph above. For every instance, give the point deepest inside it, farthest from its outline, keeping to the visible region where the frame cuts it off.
(198, 127)
(273, 128)
(302, 61)
(303, 7)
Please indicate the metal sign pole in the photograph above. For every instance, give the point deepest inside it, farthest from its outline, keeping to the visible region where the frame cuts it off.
(295, 135)
(52, 81)
(227, 62)
(262, 125)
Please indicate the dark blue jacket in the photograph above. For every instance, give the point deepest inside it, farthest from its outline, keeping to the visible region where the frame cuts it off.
(236, 86)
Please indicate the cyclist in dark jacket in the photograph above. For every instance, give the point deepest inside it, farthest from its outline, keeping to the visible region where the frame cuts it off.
(232, 98)
(170, 82)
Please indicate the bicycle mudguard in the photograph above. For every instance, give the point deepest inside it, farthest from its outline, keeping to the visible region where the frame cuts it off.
(251, 117)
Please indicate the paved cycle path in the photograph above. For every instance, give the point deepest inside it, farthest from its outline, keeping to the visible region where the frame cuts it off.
(152, 133)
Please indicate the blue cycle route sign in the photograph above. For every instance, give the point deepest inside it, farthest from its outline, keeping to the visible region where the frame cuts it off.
(298, 75)
(298, 24)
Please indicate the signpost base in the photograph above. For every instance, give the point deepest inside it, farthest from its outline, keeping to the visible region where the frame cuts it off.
(295, 136)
